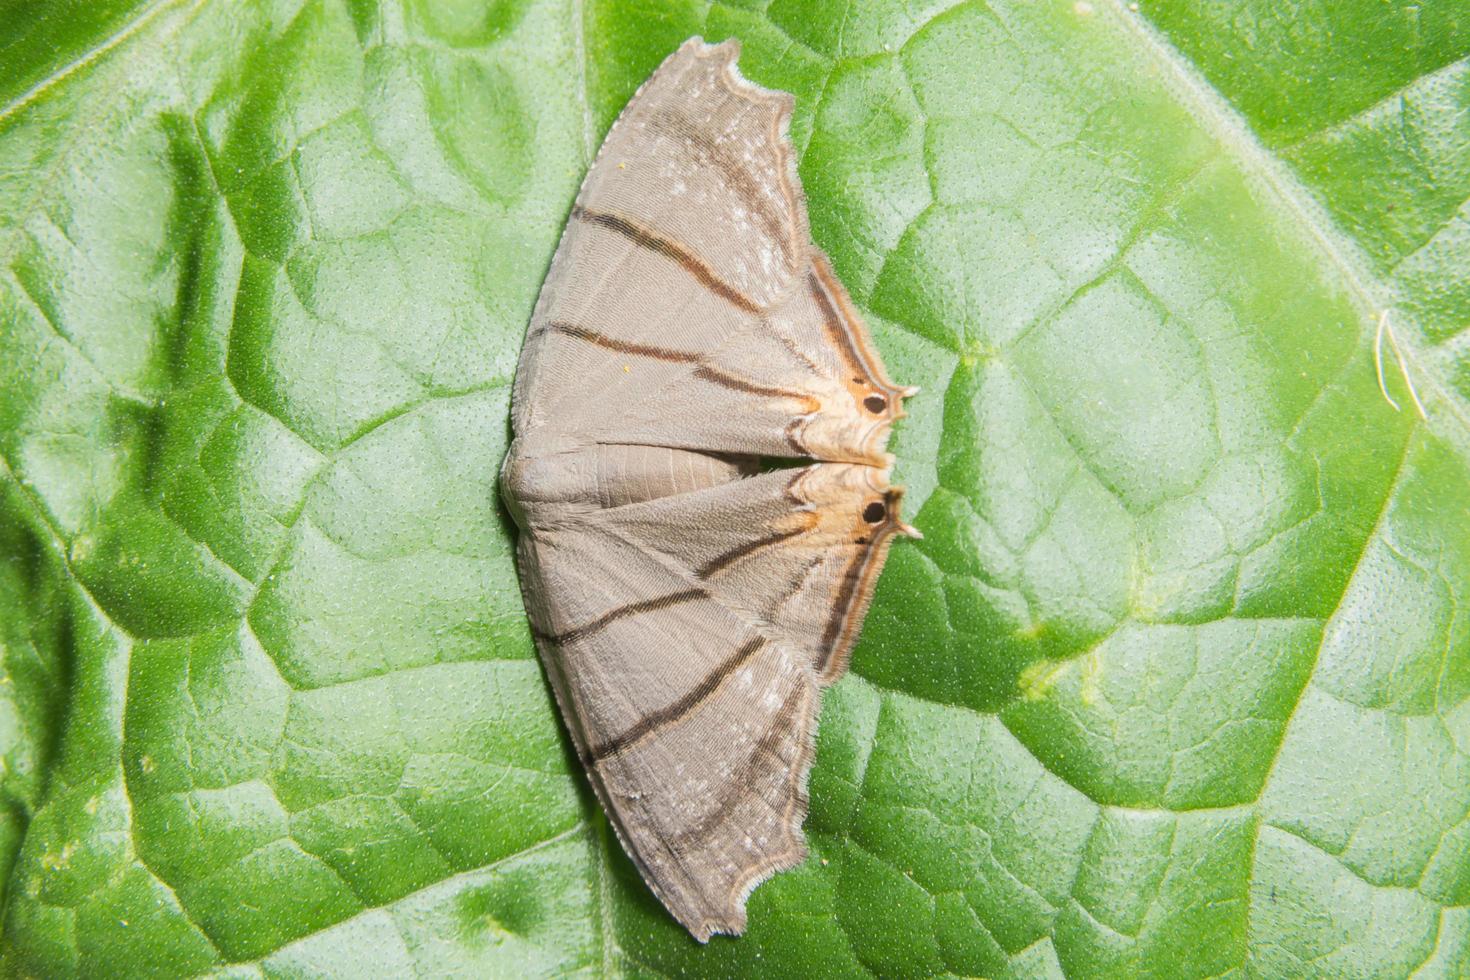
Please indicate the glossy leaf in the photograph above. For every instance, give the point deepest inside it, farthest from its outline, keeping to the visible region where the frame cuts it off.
(1177, 683)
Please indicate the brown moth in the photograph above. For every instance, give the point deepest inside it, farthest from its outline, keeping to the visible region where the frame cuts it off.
(688, 607)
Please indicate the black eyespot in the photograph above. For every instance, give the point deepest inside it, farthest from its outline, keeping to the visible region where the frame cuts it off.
(876, 404)
(874, 512)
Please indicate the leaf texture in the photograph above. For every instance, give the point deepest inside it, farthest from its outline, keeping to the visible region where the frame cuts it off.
(1175, 685)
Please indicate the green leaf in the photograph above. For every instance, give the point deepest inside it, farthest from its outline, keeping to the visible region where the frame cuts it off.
(1177, 683)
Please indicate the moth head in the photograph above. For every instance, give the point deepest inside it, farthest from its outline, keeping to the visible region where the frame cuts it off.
(853, 501)
(878, 400)
(859, 402)
(880, 516)
(853, 423)
(876, 406)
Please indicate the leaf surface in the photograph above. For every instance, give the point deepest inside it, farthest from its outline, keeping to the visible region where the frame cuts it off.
(1176, 683)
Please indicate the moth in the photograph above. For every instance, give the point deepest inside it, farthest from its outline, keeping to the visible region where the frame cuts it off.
(689, 604)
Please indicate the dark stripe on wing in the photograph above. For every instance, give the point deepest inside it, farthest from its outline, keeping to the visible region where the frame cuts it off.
(845, 329)
(742, 779)
(669, 714)
(723, 561)
(780, 225)
(797, 584)
(622, 612)
(730, 381)
(670, 249)
(623, 346)
(704, 372)
(836, 329)
(851, 576)
(849, 607)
